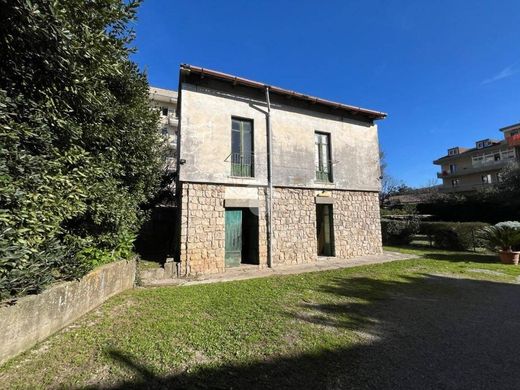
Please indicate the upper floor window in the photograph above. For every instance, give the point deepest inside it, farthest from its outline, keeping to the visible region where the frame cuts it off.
(453, 168)
(164, 111)
(322, 157)
(453, 151)
(242, 156)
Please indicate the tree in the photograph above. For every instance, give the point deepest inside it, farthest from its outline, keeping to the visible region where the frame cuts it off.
(79, 147)
(510, 180)
(389, 185)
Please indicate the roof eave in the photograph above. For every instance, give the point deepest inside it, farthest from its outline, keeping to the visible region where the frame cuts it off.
(374, 115)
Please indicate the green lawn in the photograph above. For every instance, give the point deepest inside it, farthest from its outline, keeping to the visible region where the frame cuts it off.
(438, 319)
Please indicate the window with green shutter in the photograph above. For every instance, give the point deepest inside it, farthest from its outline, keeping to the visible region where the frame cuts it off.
(322, 157)
(242, 156)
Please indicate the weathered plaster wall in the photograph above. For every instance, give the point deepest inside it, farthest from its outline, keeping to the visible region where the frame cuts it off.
(35, 317)
(206, 142)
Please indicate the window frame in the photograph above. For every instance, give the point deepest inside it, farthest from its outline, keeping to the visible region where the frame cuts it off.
(323, 176)
(453, 168)
(241, 169)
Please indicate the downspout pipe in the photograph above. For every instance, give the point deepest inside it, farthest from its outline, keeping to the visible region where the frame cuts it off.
(269, 182)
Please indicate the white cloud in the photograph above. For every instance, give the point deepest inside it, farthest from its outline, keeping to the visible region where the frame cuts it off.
(504, 73)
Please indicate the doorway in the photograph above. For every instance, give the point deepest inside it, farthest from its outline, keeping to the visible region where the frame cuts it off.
(325, 230)
(241, 230)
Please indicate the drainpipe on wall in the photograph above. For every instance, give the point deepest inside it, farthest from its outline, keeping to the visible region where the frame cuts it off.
(269, 182)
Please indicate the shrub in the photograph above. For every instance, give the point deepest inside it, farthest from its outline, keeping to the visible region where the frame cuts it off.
(453, 235)
(399, 232)
(504, 236)
(79, 147)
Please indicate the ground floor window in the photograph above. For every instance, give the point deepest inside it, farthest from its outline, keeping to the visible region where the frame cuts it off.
(241, 236)
(325, 229)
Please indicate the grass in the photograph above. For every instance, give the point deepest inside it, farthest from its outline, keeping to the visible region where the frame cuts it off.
(324, 329)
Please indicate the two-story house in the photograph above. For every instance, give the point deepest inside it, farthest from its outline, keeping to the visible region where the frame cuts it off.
(470, 169)
(269, 176)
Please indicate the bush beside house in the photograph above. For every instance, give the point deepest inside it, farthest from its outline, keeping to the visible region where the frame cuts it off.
(79, 147)
(444, 235)
(453, 235)
(399, 231)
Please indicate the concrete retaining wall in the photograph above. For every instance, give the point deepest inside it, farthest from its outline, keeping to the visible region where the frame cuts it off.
(35, 317)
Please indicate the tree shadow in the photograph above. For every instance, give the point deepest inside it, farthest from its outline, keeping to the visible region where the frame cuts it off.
(464, 257)
(424, 332)
(156, 238)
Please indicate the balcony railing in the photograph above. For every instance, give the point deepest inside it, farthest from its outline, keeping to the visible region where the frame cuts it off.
(242, 164)
(483, 167)
(322, 174)
(465, 187)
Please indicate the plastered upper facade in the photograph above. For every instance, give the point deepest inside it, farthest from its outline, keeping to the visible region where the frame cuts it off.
(206, 117)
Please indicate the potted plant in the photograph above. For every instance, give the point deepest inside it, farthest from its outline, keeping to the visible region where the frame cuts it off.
(504, 237)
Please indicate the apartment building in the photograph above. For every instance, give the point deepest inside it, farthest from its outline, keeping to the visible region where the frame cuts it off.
(471, 169)
(268, 176)
(165, 101)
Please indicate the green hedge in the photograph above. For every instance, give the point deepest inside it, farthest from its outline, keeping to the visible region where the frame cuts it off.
(453, 235)
(399, 232)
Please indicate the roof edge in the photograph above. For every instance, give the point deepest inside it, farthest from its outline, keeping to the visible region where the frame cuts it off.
(372, 114)
(510, 127)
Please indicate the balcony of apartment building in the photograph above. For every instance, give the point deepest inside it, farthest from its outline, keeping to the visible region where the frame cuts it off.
(168, 118)
(480, 163)
(514, 142)
(464, 187)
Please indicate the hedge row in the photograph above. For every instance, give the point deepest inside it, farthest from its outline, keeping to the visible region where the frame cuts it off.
(453, 235)
(444, 235)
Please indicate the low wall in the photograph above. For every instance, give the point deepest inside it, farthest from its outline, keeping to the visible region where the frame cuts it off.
(35, 317)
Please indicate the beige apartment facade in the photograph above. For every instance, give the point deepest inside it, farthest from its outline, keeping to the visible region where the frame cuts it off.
(472, 169)
(268, 176)
(165, 101)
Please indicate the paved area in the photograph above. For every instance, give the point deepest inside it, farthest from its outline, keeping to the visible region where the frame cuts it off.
(252, 271)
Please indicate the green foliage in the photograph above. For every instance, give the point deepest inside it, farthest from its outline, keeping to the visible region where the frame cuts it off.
(399, 232)
(453, 235)
(79, 149)
(504, 236)
(498, 203)
(405, 210)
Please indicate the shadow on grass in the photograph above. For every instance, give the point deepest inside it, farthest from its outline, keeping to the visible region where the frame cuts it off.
(425, 332)
(464, 257)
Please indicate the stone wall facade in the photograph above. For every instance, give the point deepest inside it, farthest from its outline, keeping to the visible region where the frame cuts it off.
(357, 229)
(202, 244)
(357, 223)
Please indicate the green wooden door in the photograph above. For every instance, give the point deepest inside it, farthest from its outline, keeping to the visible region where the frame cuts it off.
(233, 238)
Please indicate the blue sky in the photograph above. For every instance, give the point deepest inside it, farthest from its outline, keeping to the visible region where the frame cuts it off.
(446, 72)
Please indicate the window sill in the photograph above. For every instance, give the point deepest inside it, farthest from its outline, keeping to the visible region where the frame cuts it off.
(242, 177)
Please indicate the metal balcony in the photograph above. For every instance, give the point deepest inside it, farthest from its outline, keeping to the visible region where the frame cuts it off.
(242, 165)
